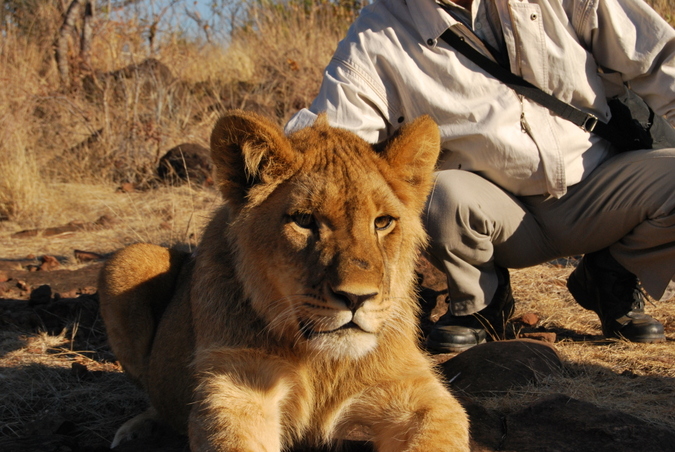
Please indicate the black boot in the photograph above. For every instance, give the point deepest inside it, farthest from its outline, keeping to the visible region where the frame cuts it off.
(456, 333)
(601, 284)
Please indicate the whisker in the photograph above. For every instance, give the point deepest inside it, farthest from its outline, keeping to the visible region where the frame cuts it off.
(283, 316)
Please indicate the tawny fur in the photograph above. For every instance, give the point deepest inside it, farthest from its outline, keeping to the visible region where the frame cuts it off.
(297, 318)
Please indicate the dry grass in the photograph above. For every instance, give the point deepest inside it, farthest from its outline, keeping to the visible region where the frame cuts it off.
(41, 390)
(664, 8)
(633, 378)
(170, 216)
(106, 128)
(52, 175)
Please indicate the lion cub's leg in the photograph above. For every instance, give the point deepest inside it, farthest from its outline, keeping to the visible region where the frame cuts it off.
(135, 286)
(140, 426)
(246, 401)
(416, 414)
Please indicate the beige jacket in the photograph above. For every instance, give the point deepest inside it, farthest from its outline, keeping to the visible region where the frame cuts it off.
(392, 67)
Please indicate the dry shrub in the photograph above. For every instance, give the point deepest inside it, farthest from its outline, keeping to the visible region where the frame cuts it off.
(20, 183)
(119, 116)
(19, 187)
(108, 128)
(290, 44)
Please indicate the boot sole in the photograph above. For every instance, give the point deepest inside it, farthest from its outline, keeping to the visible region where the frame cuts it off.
(651, 339)
(438, 348)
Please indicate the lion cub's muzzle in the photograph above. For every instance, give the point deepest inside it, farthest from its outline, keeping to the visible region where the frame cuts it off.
(343, 322)
(352, 300)
(343, 308)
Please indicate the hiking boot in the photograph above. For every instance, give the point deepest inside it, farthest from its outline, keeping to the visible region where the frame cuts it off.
(601, 284)
(456, 333)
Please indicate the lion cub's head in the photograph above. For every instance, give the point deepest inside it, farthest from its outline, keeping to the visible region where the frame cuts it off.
(324, 229)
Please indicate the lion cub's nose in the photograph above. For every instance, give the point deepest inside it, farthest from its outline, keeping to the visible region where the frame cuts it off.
(353, 300)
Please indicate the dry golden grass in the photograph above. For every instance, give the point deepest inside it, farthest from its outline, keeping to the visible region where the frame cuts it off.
(170, 216)
(39, 387)
(274, 66)
(633, 378)
(664, 8)
(104, 130)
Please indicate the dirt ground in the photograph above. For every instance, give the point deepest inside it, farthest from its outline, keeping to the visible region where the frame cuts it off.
(64, 391)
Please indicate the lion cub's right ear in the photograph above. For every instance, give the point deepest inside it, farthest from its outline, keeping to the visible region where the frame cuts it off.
(249, 150)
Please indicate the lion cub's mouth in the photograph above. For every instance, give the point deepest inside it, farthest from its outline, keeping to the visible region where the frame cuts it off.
(308, 332)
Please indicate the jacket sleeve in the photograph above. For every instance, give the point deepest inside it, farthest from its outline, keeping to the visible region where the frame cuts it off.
(629, 38)
(349, 100)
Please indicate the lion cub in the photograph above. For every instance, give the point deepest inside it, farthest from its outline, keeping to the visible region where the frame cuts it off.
(296, 319)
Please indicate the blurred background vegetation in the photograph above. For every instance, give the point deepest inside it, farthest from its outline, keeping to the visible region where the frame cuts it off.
(94, 92)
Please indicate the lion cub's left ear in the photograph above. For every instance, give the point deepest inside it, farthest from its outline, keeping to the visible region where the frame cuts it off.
(247, 150)
(412, 153)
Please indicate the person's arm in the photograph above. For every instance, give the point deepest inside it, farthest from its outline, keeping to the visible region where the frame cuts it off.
(629, 38)
(349, 102)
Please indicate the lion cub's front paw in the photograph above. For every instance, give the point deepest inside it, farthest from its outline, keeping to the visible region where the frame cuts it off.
(141, 426)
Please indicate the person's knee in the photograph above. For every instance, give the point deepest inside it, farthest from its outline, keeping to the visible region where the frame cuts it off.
(452, 193)
(452, 205)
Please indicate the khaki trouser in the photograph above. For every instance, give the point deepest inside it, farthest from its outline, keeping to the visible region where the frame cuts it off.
(626, 204)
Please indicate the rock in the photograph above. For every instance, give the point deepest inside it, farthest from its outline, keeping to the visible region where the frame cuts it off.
(186, 162)
(48, 232)
(75, 293)
(126, 187)
(86, 256)
(49, 263)
(106, 221)
(529, 319)
(41, 295)
(26, 233)
(65, 295)
(148, 75)
(21, 284)
(546, 336)
(149, 67)
(103, 222)
(496, 367)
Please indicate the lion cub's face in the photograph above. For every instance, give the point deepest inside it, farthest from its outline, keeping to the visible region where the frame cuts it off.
(333, 235)
(326, 229)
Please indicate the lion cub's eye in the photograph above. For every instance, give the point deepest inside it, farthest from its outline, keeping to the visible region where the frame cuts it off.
(304, 220)
(383, 222)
